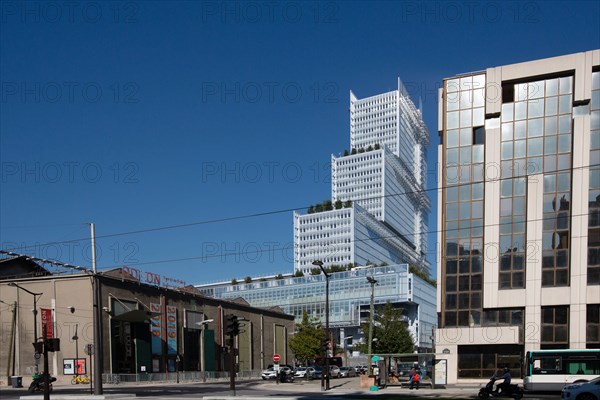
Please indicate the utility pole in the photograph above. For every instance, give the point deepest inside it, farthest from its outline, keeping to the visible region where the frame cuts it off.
(46, 366)
(326, 370)
(97, 318)
(373, 282)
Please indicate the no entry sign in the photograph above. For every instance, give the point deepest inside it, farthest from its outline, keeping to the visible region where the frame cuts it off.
(276, 358)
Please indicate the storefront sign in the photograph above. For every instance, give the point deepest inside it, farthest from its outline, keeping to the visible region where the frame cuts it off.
(156, 329)
(47, 323)
(171, 330)
(150, 278)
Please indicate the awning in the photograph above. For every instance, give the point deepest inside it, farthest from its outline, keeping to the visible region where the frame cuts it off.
(136, 316)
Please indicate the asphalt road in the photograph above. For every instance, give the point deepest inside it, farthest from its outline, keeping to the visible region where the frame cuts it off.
(348, 388)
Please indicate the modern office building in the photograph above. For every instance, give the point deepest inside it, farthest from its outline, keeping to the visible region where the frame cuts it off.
(519, 213)
(385, 176)
(349, 293)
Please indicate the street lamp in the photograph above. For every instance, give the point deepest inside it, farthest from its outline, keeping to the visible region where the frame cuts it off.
(373, 282)
(320, 264)
(203, 324)
(35, 295)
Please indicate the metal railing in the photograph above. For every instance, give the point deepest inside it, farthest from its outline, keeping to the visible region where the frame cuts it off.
(184, 376)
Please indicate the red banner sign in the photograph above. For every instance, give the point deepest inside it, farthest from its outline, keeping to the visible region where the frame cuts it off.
(47, 326)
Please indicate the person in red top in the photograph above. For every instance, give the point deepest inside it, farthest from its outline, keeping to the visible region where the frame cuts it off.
(416, 378)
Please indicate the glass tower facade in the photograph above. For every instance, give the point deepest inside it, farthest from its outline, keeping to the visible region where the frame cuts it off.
(349, 291)
(519, 211)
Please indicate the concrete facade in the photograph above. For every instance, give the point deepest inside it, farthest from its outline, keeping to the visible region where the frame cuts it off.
(127, 327)
(517, 211)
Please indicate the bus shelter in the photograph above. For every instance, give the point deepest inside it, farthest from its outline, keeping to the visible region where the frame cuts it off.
(394, 369)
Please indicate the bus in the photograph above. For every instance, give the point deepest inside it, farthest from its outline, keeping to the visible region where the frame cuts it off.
(551, 370)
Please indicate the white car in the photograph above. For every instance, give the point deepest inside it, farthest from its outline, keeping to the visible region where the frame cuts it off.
(582, 391)
(334, 371)
(300, 372)
(269, 374)
(272, 374)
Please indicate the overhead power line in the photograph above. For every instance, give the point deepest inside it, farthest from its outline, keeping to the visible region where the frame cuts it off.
(287, 210)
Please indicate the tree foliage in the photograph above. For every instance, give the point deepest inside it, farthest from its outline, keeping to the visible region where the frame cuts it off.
(248, 279)
(338, 204)
(298, 274)
(391, 333)
(306, 342)
(416, 271)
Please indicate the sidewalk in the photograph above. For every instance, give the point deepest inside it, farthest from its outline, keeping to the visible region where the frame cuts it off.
(346, 386)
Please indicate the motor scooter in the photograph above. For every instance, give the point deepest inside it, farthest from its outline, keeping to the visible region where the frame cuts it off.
(514, 391)
(38, 384)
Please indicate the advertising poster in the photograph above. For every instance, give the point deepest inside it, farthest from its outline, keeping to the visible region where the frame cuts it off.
(171, 330)
(73, 366)
(441, 377)
(156, 329)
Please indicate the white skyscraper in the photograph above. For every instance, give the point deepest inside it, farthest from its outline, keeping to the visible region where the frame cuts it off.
(378, 191)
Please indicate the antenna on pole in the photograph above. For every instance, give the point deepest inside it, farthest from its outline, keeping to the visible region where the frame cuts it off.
(93, 237)
(98, 347)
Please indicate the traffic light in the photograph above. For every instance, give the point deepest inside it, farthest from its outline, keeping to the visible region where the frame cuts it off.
(232, 325)
(324, 345)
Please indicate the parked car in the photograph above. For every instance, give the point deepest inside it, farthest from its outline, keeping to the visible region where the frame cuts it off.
(300, 372)
(580, 391)
(347, 372)
(334, 371)
(314, 372)
(271, 373)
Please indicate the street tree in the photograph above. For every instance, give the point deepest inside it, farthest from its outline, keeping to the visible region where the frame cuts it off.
(306, 341)
(391, 333)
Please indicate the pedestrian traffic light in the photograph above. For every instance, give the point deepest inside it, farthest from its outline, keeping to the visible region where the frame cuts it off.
(232, 325)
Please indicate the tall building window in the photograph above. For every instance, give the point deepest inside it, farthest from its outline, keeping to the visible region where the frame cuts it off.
(536, 139)
(593, 256)
(463, 215)
(555, 327)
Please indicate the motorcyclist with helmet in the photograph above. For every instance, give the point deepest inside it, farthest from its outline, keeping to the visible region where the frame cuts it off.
(505, 385)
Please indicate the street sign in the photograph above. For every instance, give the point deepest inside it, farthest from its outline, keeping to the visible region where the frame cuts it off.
(375, 358)
(37, 355)
(276, 358)
(89, 349)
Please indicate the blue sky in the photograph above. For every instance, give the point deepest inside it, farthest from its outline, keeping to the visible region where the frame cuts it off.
(146, 114)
